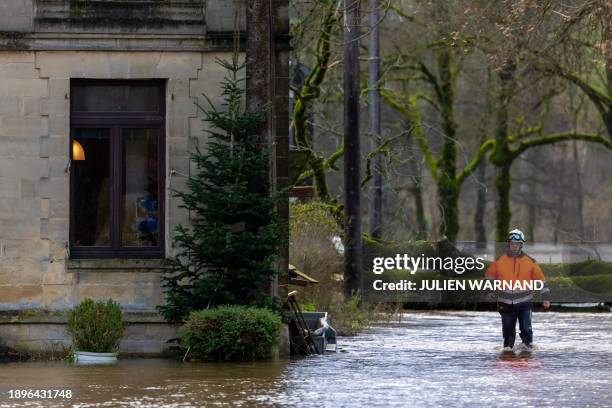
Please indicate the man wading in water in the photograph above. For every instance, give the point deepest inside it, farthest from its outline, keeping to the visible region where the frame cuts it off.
(515, 305)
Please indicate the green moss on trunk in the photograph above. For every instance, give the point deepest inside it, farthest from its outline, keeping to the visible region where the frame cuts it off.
(503, 184)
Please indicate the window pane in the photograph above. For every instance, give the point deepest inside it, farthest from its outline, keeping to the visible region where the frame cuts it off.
(91, 190)
(115, 98)
(140, 187)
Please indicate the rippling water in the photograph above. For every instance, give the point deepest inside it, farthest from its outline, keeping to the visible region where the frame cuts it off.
(426, 359)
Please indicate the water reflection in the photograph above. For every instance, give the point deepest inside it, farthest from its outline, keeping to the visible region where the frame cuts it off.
(517, 362)
(426, 359)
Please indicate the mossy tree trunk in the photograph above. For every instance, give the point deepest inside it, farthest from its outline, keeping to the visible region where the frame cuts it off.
(448, 199)
(480, 231)
(417, 194)
(421, 232)
(503, 184)
(502, 157)
(533, 202)
(448, 185)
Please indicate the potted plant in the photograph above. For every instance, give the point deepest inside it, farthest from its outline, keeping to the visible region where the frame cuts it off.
(96, 329)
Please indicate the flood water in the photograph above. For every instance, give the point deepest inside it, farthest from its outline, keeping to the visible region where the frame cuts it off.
(426, 359)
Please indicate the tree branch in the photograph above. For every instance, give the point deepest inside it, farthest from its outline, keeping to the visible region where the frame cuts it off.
(530, 131)
(471, 166)
(381, 149)
(429, 100)
(415, 121)
(599, 98)
(431, 78)
(410, 111)
(559, 137)
(330, 163)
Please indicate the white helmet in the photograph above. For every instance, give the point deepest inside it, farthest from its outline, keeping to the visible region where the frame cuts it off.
(516, 235)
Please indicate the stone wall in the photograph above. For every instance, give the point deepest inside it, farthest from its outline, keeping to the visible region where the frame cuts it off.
(146, 333)
(34, 174)
(35, 270)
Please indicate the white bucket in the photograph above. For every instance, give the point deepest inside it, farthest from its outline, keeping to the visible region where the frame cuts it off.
(88, 357)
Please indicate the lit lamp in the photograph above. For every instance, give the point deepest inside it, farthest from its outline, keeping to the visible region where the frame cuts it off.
(77, 151)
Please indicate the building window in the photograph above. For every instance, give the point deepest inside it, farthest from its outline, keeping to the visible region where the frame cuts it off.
(117, 169)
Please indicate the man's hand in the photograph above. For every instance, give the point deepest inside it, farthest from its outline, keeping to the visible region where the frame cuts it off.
(490, 297)
(546, 304)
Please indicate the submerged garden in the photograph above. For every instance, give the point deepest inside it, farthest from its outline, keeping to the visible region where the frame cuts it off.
(476, 118)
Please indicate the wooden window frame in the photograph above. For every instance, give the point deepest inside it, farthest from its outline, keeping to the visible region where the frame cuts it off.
(116, 122)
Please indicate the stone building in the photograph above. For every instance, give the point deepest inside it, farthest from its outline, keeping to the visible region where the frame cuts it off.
(97, 118)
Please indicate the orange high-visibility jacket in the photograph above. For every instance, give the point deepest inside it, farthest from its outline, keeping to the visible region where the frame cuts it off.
(517, 268)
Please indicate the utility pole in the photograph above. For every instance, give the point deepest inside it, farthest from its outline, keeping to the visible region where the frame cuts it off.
(353, 279)
(376, 221)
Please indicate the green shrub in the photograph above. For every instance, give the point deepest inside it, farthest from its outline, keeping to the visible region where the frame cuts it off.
(308, 307)
(230, 333)
(596, 284)
(584, 268)
(96, 326)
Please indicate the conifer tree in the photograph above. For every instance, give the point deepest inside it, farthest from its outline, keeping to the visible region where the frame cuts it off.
(226, 255)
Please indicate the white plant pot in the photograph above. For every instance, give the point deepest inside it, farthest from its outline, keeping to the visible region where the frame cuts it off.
(88, 357)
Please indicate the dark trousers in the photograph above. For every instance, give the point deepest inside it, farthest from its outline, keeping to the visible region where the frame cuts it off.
(509, 315)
